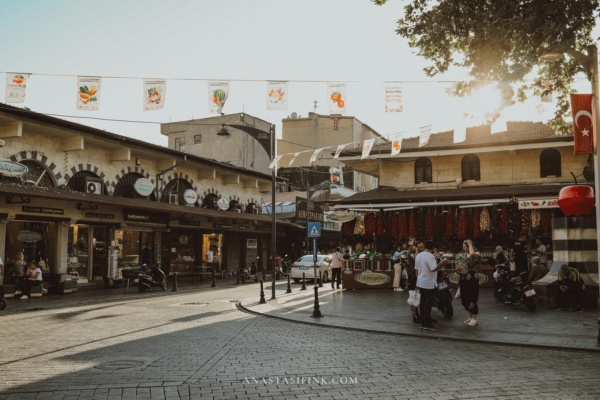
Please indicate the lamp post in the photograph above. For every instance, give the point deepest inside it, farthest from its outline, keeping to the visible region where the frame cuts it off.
(589, 63)
(267, 140)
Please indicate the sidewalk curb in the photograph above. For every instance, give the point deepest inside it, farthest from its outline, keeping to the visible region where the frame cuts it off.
(242, 308)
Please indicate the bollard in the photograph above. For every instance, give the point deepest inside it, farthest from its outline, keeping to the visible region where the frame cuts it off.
(320, 279)
(214, 282)
(303, 281)
(237, 281)
(316, 312)
(262, 294)
(174, 282)
(289, 288)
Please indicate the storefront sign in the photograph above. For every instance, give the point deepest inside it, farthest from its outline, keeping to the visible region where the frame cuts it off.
(215, 219)
(183, 239)
(189, 223)
(315, 211)
(141, 216)
(143, 187)
(98, 215)
(11, 168)
(262, 228)
(221, 226)
(252, 243)
(29, 236)
(241, 221)
(340, 216)
(223, 204)
(190, 196)
(43, 210)
(243, 228)
(528, 204)
(372, 278)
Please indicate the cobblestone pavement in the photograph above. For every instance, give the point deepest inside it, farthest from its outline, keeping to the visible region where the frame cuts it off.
(196, 345)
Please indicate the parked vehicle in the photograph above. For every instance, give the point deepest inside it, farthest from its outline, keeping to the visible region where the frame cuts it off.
(284, 269)
(149, 277)
(516, 289)
(2, 304)
(442, 299)
(305, 265)
(249, 273)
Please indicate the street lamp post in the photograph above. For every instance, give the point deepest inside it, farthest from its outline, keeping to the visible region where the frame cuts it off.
(589, 63)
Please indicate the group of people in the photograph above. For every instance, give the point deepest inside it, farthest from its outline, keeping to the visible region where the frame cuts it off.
(26, 279)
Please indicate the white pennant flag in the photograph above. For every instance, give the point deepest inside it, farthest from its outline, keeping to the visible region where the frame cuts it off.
(393, 98)
(155, 93)
(425, 135)
(367, 147)
(337, 93)
(218, 92)
(88, 93)
(339, 150)
(16, 84)
(396, 140)
(313, 158)
(294, 158)
(277, 95)
(275, 161)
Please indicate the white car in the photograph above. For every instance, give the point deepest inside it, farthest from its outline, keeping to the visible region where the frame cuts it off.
(305, 265)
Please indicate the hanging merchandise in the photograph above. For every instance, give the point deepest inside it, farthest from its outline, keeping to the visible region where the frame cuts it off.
(88, 93)
(395, 228)
(485, 224)
(370, 224)
(462, 225)
(277, 95)
(547, 220)
(359, 228)
(495, 221)
(438, 225)
(476, 223)
(536, 218)
(348, 229)
(515, 222)
(429, 226)
(393, 98)
(455, 225)
(421, 224)
(380, 224)
(16, 83)
(469, 224)
(524, 221)
(403, 225)
(504, 221)
(218, 92)
(449, 224)
(155, 92)
(336, 93)
(412, 224)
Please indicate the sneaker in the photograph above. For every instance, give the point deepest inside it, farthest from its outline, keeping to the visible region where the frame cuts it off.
(400, 290)
(17, 292)
(24, 297)
(428, 327)
(473, 322)
(466, 322)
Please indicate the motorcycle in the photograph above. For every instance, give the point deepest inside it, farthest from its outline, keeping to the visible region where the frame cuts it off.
(284, 269)
(442, 298)
(247, 274)
(516, 289)
(149, 277)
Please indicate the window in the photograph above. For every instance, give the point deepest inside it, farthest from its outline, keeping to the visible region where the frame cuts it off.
(180, 144)
(197, 139)
(550, 163)
(470, 168)
(423, 170)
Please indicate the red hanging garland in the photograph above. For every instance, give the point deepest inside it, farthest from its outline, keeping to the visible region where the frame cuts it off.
(412, 224)
(429, 226)
(380, 224)
(476, 223)
(395, 228)
(462, 225)
(403, 225)
(449, 224)
(504, 221)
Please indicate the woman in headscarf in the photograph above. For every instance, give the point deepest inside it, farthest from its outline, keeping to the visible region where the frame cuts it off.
(468, 281)
(538, 270)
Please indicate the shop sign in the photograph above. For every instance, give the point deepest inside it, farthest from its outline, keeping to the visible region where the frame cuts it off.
(183, 239)
(29, 236)
(189, 223)
(43, 210)
(340, 216)
(140, 216)
(215, 219)
(262, 228)
(221, 226)
(528, 204)
(190, 196)
(372, 278)
(453, 278)
(223, 204)
(315, 211)
(11, 168)
(98, 215)
(143, 187)
(252, 243)
(243, 227)
(241, 221)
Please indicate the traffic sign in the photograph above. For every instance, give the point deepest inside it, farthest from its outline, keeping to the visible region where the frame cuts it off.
(314, 229)
(314, 250)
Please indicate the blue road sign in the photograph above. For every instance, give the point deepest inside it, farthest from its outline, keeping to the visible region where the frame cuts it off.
(315, 249)
(314, 229)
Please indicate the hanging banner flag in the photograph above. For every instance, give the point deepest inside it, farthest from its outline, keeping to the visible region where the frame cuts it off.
(313, 158)
(396, 140)
(367, 147)
(393, 99)
(277, 95)
(583, 123)
(294, 158)
(88, 93)
(548, 86)
(339, 150)
(15, 87)
(155, 91)
(425, 135)
(218, 92)
(275, 161)
(337, 93)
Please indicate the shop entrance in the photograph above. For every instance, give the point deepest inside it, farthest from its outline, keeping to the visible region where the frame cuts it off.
(35, 239)
(87, 252)
(214, 242)
(131, 246)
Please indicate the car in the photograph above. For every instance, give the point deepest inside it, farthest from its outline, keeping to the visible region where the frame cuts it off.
(305, 265)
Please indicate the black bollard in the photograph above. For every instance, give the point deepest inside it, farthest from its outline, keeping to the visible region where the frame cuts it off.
(174, 282)
(316, 311)
(214, 282)
(262, 294)
(320, 279)
(289, 288)
(303, 281)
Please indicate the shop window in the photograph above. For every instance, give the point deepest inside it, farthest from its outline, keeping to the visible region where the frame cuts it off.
(423, 172)
(174, 190)
(124, 187)
(197, 139)
(180, 144)
(86, 182)
(43, 250)
(550, 163)
(470, 168)
(38, 175)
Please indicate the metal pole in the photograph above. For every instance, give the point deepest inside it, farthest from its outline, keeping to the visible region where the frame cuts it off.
(307, 201)
(593, 70)
(316, 310)
(273, 221)
(303, 281)
(262, 294)
(289, 286)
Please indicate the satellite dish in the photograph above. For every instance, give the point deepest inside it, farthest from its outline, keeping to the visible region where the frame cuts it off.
(294, 115)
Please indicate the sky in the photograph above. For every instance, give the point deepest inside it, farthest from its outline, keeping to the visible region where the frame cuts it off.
(308, 42)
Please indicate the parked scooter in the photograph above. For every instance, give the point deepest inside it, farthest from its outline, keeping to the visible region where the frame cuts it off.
(442, 298)
(284, 269)
(149, 277)
(248, 274)
(514, 290)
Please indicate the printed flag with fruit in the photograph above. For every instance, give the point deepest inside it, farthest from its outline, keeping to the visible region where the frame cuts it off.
(339, 150)
(396, 140)
(337, 98)
(218, 92)
(15, 87)
(155, 92)
(277, 95)
(88, 93)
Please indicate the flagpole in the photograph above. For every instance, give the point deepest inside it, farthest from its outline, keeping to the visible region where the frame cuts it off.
(593, 71)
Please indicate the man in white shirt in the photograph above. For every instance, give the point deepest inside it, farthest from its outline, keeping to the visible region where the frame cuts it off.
(209, 258)
(427, 268)
(336, 267)
(32, 278)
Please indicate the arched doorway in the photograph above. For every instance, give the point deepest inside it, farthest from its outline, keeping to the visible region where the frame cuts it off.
(124, 187)
(38, 175)
(174, 190)
(80, 181)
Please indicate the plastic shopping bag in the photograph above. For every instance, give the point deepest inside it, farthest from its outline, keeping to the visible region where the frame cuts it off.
(414, 298)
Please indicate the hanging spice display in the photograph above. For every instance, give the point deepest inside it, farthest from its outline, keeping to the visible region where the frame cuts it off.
(420, 223)
(462, 225)
(504, 221)
(348, 229)
(476, 223)
(403, 225)
(485, 224)
(370, 224)
(524, 221)
(438, 225)
(429, 225)
(395, 228)
(514, 216)
(359, 227)
(536, 218)
(495, 221)
(379, 224)
(449, 224)
(412, 224)
(455, 225)
(547, 220)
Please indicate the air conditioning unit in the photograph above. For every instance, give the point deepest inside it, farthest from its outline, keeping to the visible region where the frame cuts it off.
(255, 211)
(360, 188)
(174, 198)
(238, 208)
(93, 186)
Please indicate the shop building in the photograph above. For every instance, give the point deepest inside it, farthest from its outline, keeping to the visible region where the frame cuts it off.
(87, 202)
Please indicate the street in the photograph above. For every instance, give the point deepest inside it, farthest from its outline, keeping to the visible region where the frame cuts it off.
(197, 344)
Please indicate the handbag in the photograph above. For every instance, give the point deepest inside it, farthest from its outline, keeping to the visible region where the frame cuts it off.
(414, 298)
(457, 296)
(463, 266)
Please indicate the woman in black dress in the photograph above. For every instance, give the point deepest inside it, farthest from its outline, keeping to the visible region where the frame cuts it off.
(468, 281)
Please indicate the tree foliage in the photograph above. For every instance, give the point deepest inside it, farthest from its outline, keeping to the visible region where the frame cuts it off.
(501, 41)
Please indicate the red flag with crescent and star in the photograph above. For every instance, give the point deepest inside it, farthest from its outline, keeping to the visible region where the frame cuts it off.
(583, 123)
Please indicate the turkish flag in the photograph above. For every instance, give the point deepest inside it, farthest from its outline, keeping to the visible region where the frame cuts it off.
(583, 123)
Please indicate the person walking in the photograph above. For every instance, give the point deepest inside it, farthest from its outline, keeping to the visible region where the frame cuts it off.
(412, 278)
(427, 267)
(147, 255)
(468, 281)
(336, 267)
(519, 254)
(397, 260)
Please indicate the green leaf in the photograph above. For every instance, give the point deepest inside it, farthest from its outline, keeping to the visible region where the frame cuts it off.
(86, 89)
(81, 89)
(93, 99)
